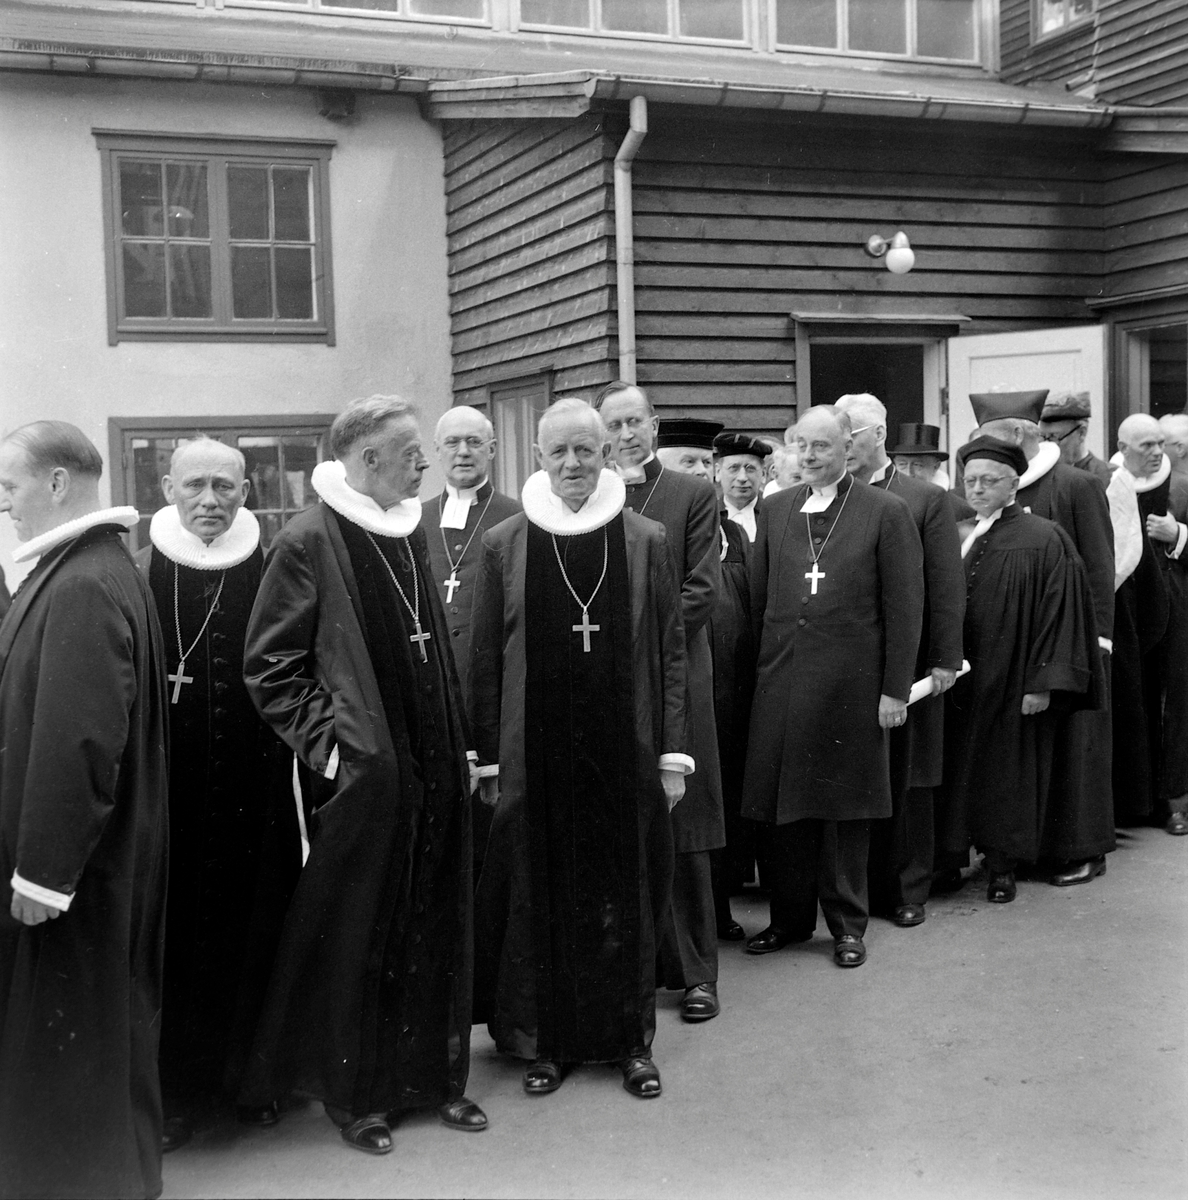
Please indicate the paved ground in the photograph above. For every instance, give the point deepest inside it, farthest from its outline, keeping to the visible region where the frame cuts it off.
(1030, 1050)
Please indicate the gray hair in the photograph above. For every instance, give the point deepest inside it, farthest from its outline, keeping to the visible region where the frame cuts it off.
(205, 439)
(365, 418)
(463, 410)
(572, 406)
(52, 444)
(863, 408)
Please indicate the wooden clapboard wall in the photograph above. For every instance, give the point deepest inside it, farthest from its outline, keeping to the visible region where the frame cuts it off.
(1132, 52)
(740, 222)
(531, 252)
(1146, 223)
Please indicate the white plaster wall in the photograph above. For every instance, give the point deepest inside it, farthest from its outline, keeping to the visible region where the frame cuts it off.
(389, 263)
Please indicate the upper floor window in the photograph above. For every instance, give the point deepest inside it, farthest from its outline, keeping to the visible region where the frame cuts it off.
(216, 239)
(1052, 16)
(711, 20)
(913, 28)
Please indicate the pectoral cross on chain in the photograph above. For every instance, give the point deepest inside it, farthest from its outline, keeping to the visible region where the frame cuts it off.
(422, 638)
(178, 679)
(816, 574)
(585, 629)
(452, 584)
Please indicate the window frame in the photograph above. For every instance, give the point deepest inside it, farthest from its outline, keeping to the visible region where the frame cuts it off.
(121, 431)
(1037, 33)
(114, 144)
(673, 37)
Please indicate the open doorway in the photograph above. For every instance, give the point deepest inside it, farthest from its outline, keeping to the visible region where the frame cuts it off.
(892, 371)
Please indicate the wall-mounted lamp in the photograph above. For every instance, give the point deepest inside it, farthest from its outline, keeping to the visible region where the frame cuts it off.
(898, 252)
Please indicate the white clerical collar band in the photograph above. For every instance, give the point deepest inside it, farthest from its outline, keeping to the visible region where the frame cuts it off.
(329, 481)
(553, 515)
(1142, 483)
(1046, 457)
(125, 516)
(635, 474)
(820, 498)
(187, 549)
(881, 473)
(980, 528)
(456, 506)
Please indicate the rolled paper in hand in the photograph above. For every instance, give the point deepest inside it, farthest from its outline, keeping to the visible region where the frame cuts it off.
(926, 686)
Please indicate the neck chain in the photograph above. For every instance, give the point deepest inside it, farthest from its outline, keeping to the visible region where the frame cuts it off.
(815, 575)
(888, 480)
(414, 609)
(453, 581)
(181, 677)
(585, 628)
(652, 492)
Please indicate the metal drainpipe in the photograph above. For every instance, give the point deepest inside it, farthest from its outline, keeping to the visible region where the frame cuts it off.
(625, 237)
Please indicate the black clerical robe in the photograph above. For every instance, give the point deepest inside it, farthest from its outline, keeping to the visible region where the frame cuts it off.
(580, 858)
(1095, 467)
(369, 1004)
(83, 782)
(1080, 810)
(230, 793)
(687, 507)
(1028, 628)
(816, 749)
(463, 549)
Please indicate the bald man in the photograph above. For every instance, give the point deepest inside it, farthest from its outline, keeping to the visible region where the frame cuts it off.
(1175, 442)
(1156, 713)
(227, 785)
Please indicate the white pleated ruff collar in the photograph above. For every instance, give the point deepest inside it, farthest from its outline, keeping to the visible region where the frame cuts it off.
(187, 549)
(553, 515)
(1145, 483)
(1046, 457)
(329, 481)
(124, 515)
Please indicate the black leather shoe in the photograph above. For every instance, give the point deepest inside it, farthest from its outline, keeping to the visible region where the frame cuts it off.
(849, 951)
(773, 938)
(1081, 872)
(701, 1002)
(909, 914)
(463, 1114)
(731, 931)
(950, 880)
(1001, 888)
(262, 1115)
(542, 1077)
(641, 1077)
(1177, 824)
(176, 1133)
(369, 1134)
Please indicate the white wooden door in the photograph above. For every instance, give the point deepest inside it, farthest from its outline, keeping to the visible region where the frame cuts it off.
(1070, 358)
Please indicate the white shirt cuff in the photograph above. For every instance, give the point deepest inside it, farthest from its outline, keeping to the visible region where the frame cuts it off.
(1179, 541)
(1106, 645)
(677, 762)
(34, 891)
(332, 766)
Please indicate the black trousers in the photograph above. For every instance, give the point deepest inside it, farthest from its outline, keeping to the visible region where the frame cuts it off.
(901, 852)
(688, 946)
(808, 860)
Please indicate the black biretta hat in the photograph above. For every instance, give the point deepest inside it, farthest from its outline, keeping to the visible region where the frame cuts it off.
(730, 442)
(994, 406)
(994, 449)
(688, 431)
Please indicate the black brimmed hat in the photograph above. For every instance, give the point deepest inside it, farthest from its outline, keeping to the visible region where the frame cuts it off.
(688, 431)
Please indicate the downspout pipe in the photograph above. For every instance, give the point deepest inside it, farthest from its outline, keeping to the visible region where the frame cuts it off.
(625, 237)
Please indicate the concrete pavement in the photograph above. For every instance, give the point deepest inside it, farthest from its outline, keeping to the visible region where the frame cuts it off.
(1035, 1050)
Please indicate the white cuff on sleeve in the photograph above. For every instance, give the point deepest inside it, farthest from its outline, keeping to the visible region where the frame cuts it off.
(1106, 645)
(332, 766)
(677, 762)
(43, 895)
(1180, 541)
(490, 771)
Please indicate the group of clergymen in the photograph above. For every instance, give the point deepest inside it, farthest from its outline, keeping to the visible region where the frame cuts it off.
(288, 824)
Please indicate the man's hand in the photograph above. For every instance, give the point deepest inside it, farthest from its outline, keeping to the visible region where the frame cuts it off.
(892, 712)
(1036, 702)
(32, 912)
(489, 790)
(673, 783)
(1163, 528)
(942, 680)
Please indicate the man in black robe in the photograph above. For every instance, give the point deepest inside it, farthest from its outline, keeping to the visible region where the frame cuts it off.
(1158, 712)
(1079, 813)
(369, 1008)
(688, 509)
(902, 849)
(740, 471)
(455, 521)
(1031, 642)
(577, 702)
(83, 836)
(837, 590)
(230, 787)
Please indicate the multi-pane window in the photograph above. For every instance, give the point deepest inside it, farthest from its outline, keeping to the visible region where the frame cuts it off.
(1051, 16)
(915, 28)
(459, 10)
(217, 239)
(280, 459)
(713, 20)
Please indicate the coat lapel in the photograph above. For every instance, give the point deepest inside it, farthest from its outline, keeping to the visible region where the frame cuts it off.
(23, 601)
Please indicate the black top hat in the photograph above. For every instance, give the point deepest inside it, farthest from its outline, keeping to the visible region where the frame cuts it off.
(740, 443)
(915, 438)
(688, 431)
(994, 406)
